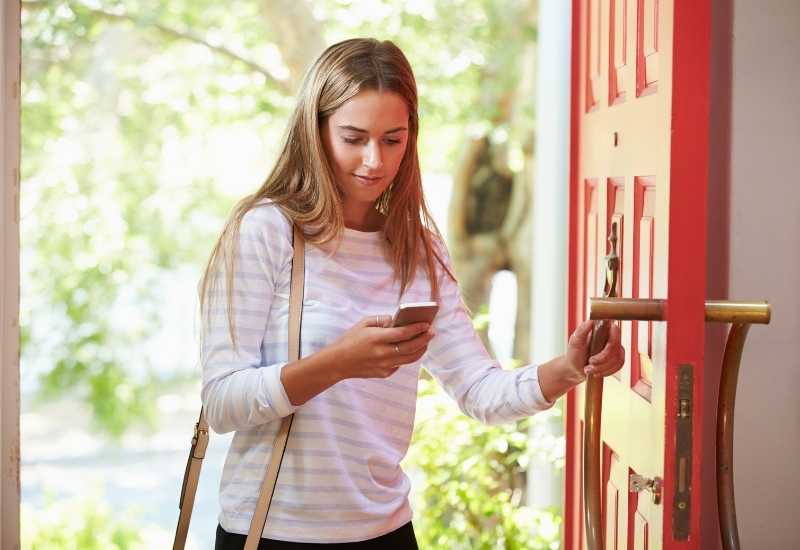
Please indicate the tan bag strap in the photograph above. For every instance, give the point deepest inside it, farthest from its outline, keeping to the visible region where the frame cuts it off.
(200, 439)
(279, 448)
(190, 479)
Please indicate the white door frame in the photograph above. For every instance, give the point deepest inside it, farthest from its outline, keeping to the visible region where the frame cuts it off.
(549, 263)
(9, 297)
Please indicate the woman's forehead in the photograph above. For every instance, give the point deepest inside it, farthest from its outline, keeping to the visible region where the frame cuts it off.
(372, 111)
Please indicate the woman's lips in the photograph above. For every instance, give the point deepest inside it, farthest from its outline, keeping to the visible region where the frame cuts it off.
(366, 180)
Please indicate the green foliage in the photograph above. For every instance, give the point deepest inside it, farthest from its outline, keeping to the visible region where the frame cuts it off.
(471, 491)
(84, 525)
(480, 319)
(99, 223)
(121, 99)
(470, 478)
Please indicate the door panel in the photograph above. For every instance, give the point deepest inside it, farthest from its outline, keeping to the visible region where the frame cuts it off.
(641, 532)
(615, 489)
(619, 76)
(643, 261)
(647, 54)
(636, 124)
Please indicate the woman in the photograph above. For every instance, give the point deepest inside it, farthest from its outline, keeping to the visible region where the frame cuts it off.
(348, 175)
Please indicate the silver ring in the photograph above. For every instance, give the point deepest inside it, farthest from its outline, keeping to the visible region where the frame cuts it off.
(397, 348)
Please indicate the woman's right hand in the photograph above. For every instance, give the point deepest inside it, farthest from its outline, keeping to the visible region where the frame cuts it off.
(374, 349)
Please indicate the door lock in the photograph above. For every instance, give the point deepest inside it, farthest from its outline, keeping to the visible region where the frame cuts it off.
(640, 483)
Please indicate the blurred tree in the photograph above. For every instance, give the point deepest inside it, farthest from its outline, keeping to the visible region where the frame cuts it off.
(111, 86)
(490, 226)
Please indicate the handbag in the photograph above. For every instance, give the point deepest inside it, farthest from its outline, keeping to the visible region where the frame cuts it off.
(200, 438)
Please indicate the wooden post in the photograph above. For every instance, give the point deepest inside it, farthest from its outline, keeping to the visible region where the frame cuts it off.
(9, 297)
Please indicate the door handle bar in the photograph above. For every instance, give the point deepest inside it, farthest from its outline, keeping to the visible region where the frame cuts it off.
(716, 311)
(741, 315)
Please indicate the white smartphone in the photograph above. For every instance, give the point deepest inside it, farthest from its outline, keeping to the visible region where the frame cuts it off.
(415, 312)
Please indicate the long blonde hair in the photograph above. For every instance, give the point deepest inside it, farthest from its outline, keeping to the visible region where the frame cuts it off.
(302, 183)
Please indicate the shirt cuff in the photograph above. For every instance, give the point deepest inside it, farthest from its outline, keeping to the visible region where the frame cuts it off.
(276, 393)
(530, 391)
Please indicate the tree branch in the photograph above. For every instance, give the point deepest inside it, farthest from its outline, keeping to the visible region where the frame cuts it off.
(186, 35)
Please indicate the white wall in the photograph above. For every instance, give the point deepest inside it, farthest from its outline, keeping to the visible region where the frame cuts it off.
(758, 163)
(765, 263)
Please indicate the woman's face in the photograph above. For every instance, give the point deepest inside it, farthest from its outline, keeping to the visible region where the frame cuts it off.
(365, 140)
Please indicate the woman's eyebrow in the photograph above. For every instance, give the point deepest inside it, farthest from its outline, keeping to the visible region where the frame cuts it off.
(362, 131)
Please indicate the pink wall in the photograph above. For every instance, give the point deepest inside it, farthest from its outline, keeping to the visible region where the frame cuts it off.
(754, 254)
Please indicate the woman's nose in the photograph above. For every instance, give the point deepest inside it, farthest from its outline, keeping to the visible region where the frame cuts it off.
(372, 156)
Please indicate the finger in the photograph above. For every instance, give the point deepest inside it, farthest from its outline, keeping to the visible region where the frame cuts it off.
(609, 353)
(410, 347)
(411, 358)
(419, 341)
(583, 332)
(610, 365)
(377, 321)
(607, 369)
(612, 347)
(601, 357)
(401, 334)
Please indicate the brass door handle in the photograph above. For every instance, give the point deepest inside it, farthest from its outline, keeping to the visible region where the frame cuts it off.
(716, 311)
(726, 500)
(605, 309)
(741, 315)
(593, 412)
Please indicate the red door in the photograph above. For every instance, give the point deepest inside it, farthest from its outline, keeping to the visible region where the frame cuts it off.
(640, 81)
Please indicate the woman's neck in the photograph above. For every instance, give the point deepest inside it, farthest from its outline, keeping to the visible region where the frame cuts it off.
(370, 221)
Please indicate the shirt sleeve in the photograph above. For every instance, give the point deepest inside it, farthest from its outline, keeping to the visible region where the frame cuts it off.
(459, 361)
(240, 390)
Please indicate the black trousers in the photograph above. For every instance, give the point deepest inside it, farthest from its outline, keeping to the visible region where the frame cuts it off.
(399, 539)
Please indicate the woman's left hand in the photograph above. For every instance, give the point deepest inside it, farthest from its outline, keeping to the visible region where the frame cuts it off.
(559, 375)
(608, 361)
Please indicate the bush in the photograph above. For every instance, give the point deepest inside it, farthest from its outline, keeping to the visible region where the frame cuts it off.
(84, 525)
(470, 481)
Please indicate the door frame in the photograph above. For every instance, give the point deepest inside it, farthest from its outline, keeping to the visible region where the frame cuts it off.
(9, 299)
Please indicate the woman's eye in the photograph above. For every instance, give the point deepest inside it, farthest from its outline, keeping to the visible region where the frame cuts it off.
(355, 141)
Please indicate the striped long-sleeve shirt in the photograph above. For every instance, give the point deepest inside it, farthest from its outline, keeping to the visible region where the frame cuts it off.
(341, 478)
